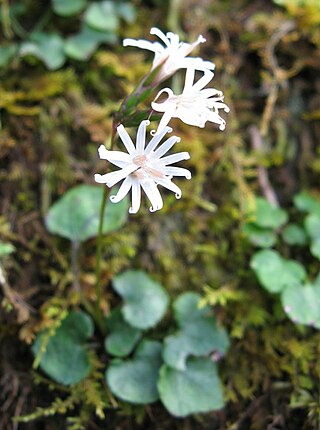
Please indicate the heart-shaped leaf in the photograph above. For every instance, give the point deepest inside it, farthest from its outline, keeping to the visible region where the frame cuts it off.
(274, 272)
(193, 390)
(265, 215)
(47, 48)
(293, 234)
(65, 358)
(262, 237)
(82, 45)
(307, 203)
(198, 334)
(135, 380)
(302, 304)
(69, 7)
(76, 215)
(123, 337)
(145, 300)
(102, 16)
(126, 11)
(312, 226)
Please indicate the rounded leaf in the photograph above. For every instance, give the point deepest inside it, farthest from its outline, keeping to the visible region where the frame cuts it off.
(66, 358)
(135, 380)
(307, 203)
(47, 48)
(123, 337)
(293, 234)
(102, 16)
(265, 215)
(69, 7)
(193, 390)
(199, 334)
(76, 215)
(312, 226)
(276, 273)
(302, 304)
(145, 300)
(186, 308)
(82, 45)
(262, 237)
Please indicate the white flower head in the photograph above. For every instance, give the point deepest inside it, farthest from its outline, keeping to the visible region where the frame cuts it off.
(173, 54)
(195, 106)
(143, 167)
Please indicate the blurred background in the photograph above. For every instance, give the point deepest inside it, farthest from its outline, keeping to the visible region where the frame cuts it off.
(63, 74)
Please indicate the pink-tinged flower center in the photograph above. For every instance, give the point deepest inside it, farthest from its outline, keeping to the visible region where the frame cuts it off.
(140, 160)
(144, 171)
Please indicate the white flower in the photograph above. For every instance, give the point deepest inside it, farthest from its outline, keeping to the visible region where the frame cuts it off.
(195, 106)
(172, 55)
(143, 167)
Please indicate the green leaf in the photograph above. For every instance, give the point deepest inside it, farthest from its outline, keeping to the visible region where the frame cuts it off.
(7, 53)
(145, 300)
(76, 215)
(68, 7)
(194, 390)
(102, 16)
(315, 248)
(312, 226)
(307, 203)
(82, 45)
(302, 304)
(276, 273)
(262, 237)
(66, 358)
(126, 11)
(6, 248)
(293, 234)
(135, 380)
(123, 337)
(266, 215)
(47, 48)
(198, 334)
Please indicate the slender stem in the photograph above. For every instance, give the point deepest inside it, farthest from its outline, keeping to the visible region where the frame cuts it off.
(147, 82)
(98, 315)
(75, 245)
(99, 249)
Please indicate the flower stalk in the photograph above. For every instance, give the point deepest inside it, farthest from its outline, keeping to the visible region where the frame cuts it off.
(144, 166)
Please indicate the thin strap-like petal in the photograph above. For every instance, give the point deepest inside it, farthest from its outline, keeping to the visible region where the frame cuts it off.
(174, 38)
(203, 81)
(170, 186)
(174, 158)
(143, 44)
(166, 117)
(156, 139)
(212, 92)
(161, 35)
(196, 63)
(123, 190)
(177, 171)
(215, 117)
(141, 136)
(126, 139)
(188, 80)
(112, 156)
(168, 144)
(136, 196)
(114, 177)
(153, 194)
